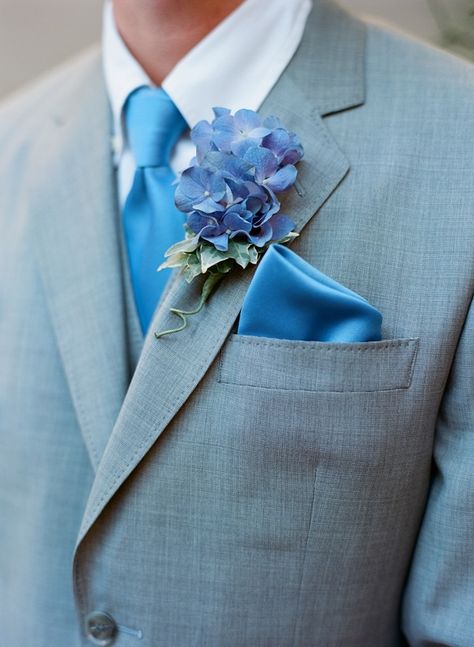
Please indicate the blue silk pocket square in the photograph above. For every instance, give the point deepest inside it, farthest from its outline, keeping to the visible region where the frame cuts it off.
(290, 299)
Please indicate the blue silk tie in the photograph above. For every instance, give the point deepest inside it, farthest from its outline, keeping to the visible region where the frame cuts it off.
(150, 219)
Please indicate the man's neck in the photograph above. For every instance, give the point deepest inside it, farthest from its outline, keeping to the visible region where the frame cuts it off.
(160, 32)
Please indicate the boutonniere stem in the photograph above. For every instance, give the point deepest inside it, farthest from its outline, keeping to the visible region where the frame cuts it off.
(209, 285)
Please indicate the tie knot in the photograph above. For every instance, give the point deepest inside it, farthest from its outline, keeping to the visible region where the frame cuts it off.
(154, 125)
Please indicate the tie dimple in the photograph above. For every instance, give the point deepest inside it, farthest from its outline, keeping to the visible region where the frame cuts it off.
(154, 125)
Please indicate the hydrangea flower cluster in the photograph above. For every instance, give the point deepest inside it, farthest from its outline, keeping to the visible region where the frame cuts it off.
(229, 193)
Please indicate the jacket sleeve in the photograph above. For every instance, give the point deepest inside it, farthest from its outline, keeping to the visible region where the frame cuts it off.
(438, 603)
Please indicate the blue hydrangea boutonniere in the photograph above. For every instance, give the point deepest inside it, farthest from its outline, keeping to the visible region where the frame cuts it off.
(229, 196)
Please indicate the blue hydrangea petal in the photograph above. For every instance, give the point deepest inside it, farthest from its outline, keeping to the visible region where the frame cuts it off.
(240, 146)
(262, 235)
(253, 204)
(230, 167)
(239, 221)
(281, 226)
(194, 187)
(223, 141)
(256, 191)
(274, 208)
(263, 218)
(259, 133)
(283, 179)
(216, 187)
(183, 201)
(277, 141)
(237, 191)
(193, 181)
(267, 211)
(285, 146)
(240, 209)
(198, 222)
(201, 136)
(228, 197)
(220, 112)
(225, 132)
(202, 129)
(264, 162)
(212, 161)
(247, 120)
(225, 123)
(293, 155)
(208, 205)
(235, 222)
(220, 242)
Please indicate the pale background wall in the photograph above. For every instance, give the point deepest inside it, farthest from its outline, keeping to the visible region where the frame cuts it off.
(37, 34)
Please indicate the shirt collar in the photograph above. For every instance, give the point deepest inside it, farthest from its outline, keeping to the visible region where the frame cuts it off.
(238, 77)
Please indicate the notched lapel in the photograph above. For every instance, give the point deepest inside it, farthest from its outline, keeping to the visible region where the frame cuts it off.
(78, 252)
(170, 368)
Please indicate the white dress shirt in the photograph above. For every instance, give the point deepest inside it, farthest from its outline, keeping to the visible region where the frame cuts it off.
(234, 66)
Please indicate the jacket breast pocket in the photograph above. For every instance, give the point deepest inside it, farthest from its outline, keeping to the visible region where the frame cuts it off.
(303, 433)
(318, 366)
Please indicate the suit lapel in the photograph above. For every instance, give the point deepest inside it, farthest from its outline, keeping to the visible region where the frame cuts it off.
(325, 76)
(78, 252)
(170, 368)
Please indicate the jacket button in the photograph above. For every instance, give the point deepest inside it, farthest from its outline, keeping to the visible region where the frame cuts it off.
(101, 628)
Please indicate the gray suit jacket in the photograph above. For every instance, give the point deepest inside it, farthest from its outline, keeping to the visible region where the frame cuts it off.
(241, 491)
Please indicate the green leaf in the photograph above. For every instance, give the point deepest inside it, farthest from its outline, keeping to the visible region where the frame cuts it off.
(188, 245)
(225, 266)
(176, 260)
(288, 238)
(253, 254)
(211, 256)
(198, 257)
(192, 268)
(239, 252)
